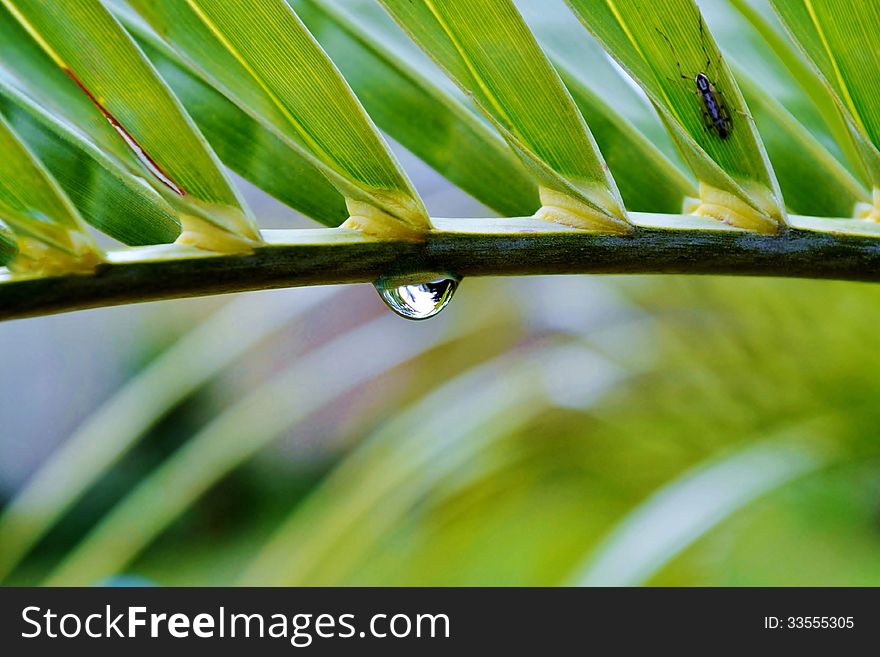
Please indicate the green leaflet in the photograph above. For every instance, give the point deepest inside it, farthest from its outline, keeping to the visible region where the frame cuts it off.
(409, 105)
(247, 146)
(648, 181)
(107, 196)
(31, 80)
(838, 38)
(252, 151)
(27, 68)
(262, 57)
(486, 48)
(89, 47)
(664, 45)
(812, 180)
(753, 34)
(630, 137)
(50, 235)
(807, 152)
(581, 57)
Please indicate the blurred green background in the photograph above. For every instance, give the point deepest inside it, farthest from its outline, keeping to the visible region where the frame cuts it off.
(541, 431)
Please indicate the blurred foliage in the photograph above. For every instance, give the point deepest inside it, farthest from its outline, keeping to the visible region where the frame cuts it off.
(523, 479)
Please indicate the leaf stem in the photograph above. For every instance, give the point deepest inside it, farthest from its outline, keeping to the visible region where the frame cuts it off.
(841, 249)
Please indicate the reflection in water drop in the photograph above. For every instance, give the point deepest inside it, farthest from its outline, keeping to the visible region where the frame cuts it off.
(417, 300)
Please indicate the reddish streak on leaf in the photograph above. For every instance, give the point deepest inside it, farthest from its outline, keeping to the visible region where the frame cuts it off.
(130, 141)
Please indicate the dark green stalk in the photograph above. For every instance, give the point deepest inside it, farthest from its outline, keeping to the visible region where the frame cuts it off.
(508, 247)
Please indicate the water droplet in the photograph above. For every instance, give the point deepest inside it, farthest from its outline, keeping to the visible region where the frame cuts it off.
(417, 297)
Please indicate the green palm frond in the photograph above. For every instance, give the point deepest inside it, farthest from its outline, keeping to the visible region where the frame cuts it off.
(568, 435)
(128, 108)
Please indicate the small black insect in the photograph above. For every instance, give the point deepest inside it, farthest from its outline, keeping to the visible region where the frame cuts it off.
(715, 114)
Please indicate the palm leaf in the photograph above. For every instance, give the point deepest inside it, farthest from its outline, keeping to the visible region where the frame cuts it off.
(811, 179)
(48, 228)
(522, 110)
(130, 100)
(831, 34)
(638, 152)
(665, 46)
(403, 96)
(488, 131)
(242, 142)
(776, 64)
(486, 48)
(107, 194)
(244, 47)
